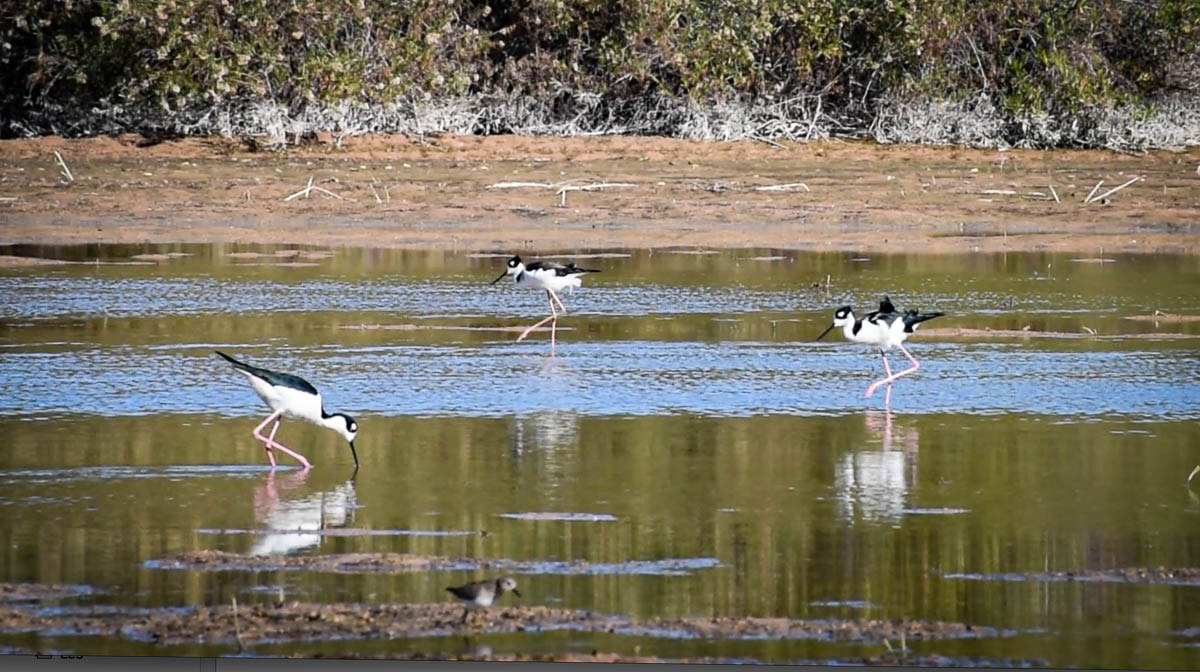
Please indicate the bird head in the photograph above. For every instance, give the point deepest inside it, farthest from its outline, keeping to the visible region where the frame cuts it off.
(507, 584)
(347, 428)
(842, 317)
(513, 267)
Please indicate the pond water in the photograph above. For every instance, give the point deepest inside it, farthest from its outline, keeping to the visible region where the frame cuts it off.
(688, 439)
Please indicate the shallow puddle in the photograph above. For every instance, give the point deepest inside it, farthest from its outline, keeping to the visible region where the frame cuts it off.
(689, 454)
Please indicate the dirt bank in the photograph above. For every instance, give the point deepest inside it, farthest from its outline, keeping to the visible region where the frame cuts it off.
(509, 193)
(302, 622)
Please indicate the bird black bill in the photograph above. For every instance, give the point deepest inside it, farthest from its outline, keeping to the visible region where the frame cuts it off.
(354, 453)
(499, 278)
(516, 592)
(825, 332)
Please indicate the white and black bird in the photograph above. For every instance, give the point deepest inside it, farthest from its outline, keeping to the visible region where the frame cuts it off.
(292, 396)
(885, 329)
(481, 594)
(549, 276)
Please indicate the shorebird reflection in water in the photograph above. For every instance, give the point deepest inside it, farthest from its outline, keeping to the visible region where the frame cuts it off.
(885, 329)
(294, 397)
(294, 524)
(549, 276)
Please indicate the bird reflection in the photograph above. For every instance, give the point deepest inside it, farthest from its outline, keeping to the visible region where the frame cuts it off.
(546, 430)
(291, 518)
(873, 484)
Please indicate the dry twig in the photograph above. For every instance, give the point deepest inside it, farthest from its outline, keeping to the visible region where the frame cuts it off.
(1112, 191)
(303, 192)
(784, 187)
(66, 171)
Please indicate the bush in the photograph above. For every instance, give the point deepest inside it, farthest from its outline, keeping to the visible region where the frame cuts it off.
(81, 66)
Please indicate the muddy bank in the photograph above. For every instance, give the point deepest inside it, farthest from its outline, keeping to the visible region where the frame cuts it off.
(218, 561)
(526, 193)
(264, 624)
(886, 660)
(40, 592)
(1181, 576)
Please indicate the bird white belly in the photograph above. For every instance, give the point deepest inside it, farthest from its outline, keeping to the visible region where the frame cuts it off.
(293, 403)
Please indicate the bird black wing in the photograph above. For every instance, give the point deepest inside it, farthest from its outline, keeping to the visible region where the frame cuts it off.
(273, 377)
(467, 592)
(559, 269)
(912, 318)
(885, 308)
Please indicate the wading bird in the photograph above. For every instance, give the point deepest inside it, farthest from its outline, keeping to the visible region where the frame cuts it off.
(549, 276)
(481, 594)
(884, 328)
(293, 397)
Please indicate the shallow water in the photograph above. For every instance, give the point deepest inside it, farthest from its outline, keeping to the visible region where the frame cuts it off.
(689, 440)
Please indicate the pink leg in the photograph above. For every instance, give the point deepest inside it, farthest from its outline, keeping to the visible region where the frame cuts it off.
(888, 381)
(553, 316)
(271, 443)
(270, 440)
(554, 323)
(887, 398)
(561, 308)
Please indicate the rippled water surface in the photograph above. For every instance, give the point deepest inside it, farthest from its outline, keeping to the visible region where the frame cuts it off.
(689, 443)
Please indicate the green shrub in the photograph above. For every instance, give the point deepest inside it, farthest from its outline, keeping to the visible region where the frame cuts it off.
(148, 57)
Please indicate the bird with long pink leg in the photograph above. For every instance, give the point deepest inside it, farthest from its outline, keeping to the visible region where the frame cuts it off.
(547, 275)
(885, 329)
(294, 397)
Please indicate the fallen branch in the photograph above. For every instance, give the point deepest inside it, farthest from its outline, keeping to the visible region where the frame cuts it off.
(562, 191)
(522, 185)
(330, 193)
(303, 192)
(1055, 193)
(65, 169)
(1093, 191)
(999, 192)
(768, 141)
(1114, 190)
(597, 187)
(784, 187)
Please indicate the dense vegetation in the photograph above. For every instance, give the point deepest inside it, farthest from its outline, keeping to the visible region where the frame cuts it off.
(1040, 72)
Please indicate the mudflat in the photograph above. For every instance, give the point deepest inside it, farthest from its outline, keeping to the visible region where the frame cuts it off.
(553, 194)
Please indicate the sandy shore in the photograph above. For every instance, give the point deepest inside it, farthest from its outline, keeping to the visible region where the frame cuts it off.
(540, 194)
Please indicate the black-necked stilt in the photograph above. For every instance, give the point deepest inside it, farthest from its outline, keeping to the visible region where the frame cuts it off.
(549, 276)
(481, 594)
(294, 397)
(884, 328)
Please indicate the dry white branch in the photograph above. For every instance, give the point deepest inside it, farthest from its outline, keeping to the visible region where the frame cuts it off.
(303, 192)
(521, 185)
(1055, 194)
(376, 193)
(600, 186)
(768, 141)
(1114, 190)
(1093, 191)
(999, 192)
(66, 171)
(784, 187)
(330, 193)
